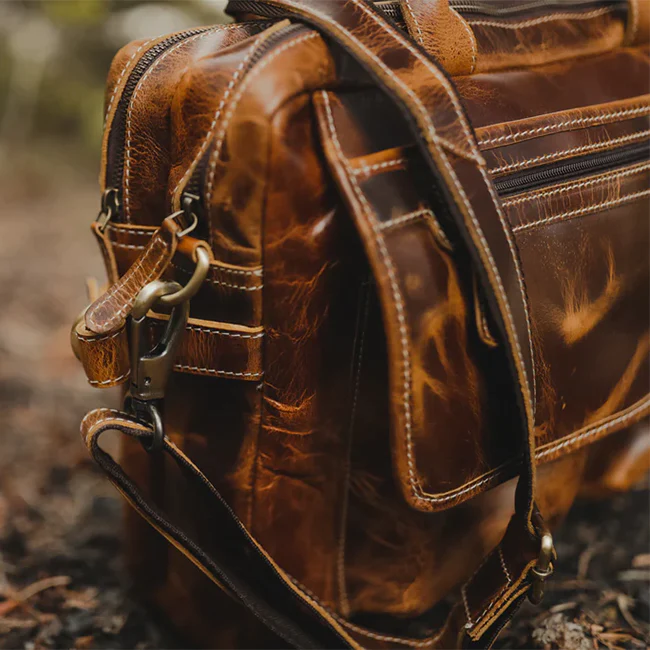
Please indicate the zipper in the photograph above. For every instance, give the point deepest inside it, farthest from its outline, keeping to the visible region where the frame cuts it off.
(192, 195)
(569, 170)
(112, 196)
(393, 8)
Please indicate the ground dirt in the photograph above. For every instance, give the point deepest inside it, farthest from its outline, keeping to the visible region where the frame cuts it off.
(61, 583)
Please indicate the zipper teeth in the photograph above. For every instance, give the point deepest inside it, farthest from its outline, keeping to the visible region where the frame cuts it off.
(118, 130)
(469, 7)
(568, 170)
(195, 184)
(394, 10)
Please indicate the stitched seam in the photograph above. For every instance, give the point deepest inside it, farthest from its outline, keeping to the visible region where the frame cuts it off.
(416, 22)
(468, 614)
(543, 19)
(129, 131)
(574, 439)
(368, 169)
(425, 215)
(581, 211)
(497, 472)
(416, 644)
(257, 287)
(397, 297)
(217, 114)
(504, 566)
(528, 162)
(119, 80)
(214, 158)
(118, 419)
(558, 126)
(90, 340)
(476, 156)
(220, 269)
(480, 617)
(234, 335)
(94, 382)
(480, 162)
(582, 184)
(472, 38)
(214, 371)
(119, 287)
(131, 231)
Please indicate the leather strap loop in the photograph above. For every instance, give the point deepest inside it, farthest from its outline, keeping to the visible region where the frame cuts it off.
(443, 33)
(228, 555)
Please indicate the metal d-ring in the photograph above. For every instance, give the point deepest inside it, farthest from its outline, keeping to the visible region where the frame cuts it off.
(195, 282)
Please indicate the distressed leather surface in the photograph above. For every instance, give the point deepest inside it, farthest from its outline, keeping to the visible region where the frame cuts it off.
(307, 456)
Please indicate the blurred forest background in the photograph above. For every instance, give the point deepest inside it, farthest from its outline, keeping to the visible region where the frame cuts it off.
(61, 584)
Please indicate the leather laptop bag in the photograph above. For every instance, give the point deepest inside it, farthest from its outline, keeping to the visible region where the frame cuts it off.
(378, 298)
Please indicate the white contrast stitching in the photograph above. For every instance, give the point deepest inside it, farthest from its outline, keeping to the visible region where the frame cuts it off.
(215, 267)
(117, 227)
(214, 371)
(94, 382)
(129, 131)
(410, 642)
(503, 565)
(217, 114)
(472, 38)
(217, 332)
(89, 339)
(397, 296)
(119, 80)
(529, 162)
(414, 216)
(541, 19)
(578, 121)
(581, 211)
(581, 184)
(416, 22)
(368, 169)
(108, 296)
(257, 287)
(588, 433)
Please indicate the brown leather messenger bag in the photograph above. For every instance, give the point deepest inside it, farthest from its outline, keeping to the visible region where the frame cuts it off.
(415, 239)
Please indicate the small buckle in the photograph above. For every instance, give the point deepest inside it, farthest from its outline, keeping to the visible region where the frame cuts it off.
(543, 569)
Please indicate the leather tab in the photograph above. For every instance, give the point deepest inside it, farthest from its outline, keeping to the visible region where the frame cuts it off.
(110, 311)
(105, 357)
(208, 348)
(443, 33)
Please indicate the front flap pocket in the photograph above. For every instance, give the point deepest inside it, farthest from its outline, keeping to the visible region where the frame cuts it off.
(583, 238)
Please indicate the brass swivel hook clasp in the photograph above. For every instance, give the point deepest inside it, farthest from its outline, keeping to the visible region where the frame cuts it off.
(153, 363)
